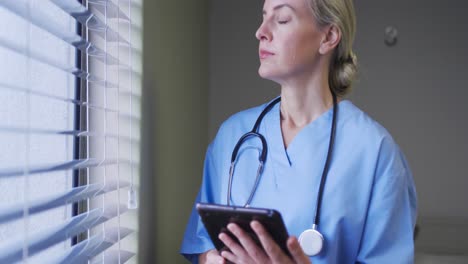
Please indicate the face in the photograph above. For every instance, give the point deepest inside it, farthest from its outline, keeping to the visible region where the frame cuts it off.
(289, 40)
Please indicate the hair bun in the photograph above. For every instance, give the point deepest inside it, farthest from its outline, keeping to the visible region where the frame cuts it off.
(351, 59)
(342, 75)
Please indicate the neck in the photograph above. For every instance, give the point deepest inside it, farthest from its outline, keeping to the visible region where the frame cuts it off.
(302, 104)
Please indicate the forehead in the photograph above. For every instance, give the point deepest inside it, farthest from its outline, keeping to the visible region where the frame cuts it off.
(275, 5)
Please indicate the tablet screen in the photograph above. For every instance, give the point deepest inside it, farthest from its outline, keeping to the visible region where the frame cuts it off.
(216, 218)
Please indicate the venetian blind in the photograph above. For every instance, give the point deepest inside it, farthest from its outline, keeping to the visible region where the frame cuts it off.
(70, 92)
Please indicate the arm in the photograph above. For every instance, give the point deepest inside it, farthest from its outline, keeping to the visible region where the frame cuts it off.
(391, 214)
(196, 239)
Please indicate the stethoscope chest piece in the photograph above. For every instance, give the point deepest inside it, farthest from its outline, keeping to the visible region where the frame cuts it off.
(311, 242)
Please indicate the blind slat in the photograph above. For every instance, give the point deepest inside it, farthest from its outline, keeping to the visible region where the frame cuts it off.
(24, 130)
(70, 256)
(9, 213)
(52, 63)
(112, 257)
(81, 14)
(72, 101)
(20, 7)
(76, 133)
(38, 56)
(113, 11)
(13, 251)
(69, 165)
(80, 252)
(39, 93)
(91, 21)
(133, 94)
(112, 236)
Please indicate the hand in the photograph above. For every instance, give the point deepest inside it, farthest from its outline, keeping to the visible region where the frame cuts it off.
(211, 257)
(248, 251)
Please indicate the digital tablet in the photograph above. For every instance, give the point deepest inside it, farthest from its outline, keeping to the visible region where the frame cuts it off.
(216, 218)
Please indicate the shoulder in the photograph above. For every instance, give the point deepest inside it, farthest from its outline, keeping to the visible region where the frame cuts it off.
(219, 152)
(356, 122)
(367, 135)
(240, 122)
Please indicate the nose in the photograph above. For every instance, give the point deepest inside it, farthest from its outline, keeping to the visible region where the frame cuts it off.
(263, 33)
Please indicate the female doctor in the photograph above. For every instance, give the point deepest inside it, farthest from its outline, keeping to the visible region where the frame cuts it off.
(333, 173)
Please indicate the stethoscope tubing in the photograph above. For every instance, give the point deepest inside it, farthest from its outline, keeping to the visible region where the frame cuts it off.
(263, 156)
(326, 167)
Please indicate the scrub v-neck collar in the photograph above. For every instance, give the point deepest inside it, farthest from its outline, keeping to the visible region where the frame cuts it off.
(287, 156)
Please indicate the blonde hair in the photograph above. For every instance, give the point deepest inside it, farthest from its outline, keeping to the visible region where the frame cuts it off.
(343, 67)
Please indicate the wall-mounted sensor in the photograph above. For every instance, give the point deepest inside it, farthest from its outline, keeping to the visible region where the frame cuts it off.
(391, 36)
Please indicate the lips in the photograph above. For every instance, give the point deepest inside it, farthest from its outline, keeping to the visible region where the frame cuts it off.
(265, 54)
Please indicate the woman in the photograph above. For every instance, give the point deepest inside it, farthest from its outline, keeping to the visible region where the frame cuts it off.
(368, 202)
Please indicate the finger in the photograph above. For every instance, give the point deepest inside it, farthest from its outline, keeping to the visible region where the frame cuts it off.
(252, 249)
(229, 256)
(217, 260)
(235, 248)
(214, 257)
(211, 257)
(272, 249)
(296, 251)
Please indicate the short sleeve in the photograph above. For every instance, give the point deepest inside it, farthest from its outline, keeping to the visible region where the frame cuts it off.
(196, 239)
(391, 215)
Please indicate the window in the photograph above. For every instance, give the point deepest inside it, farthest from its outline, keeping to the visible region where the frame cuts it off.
(69, 130)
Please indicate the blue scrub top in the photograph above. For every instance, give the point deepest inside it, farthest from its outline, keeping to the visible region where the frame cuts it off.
(369, 202)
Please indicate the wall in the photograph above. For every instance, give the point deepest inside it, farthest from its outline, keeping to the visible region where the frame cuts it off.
(416, 89)
(234, 82)
(175, 100)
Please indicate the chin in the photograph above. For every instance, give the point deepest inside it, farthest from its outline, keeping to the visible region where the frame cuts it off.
(269, 73)
(262, 73)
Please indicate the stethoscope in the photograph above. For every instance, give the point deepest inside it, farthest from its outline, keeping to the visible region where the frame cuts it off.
(311, 240)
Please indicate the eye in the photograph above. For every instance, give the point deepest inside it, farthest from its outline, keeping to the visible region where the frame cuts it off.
(283, 19)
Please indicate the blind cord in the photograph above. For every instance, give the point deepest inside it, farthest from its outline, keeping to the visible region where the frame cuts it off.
(105, 123)
(132, 194)
(87, 122)
(118, 133)
(27, 137)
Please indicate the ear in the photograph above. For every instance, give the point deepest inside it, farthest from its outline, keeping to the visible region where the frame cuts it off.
(331, 39)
